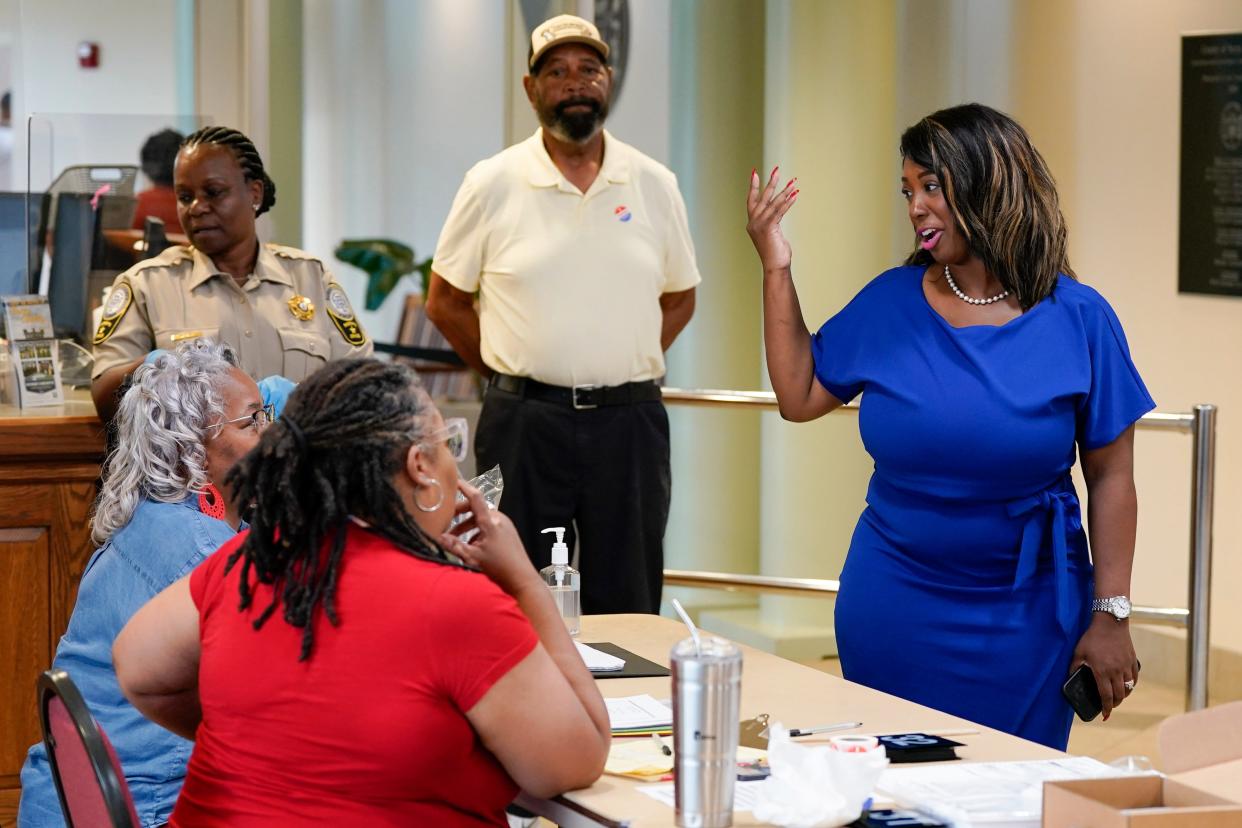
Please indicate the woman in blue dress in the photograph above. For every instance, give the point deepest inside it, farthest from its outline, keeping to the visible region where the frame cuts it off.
(985, 368)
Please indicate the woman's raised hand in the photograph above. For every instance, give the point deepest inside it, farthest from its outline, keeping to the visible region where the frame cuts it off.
(497, 549)
(764, 209)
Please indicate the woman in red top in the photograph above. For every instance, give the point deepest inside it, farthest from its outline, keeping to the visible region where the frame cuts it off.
(160, 201)
(332, 664)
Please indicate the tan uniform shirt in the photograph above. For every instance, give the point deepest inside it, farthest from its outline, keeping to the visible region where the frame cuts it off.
(288, 318)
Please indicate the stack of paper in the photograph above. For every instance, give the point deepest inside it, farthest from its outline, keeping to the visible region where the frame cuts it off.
(598, 661)
(638, 716)
(985, 794)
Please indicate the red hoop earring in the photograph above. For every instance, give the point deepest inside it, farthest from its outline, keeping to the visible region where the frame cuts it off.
(211, 502)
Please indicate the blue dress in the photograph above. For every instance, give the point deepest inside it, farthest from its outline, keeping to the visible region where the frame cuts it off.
(968, 581)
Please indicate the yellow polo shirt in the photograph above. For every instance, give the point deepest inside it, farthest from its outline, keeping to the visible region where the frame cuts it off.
(569, 282)
(288, 318)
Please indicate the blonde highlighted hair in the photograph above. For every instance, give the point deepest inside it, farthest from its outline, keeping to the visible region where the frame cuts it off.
(1001, 194)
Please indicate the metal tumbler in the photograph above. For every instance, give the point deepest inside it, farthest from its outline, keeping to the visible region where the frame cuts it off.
(706, 693)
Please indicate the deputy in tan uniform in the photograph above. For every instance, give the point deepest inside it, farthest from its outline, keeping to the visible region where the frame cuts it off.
(278, 307)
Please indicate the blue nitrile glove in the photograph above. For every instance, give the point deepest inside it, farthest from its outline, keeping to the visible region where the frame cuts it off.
(153, 356)
(276, 390)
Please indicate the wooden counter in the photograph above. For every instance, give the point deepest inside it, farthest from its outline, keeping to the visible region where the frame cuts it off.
(49, 465)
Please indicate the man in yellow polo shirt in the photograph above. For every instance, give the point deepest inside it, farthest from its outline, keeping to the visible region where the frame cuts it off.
(579, 250)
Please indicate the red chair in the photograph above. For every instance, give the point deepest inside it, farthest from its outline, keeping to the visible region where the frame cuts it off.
(88, 776)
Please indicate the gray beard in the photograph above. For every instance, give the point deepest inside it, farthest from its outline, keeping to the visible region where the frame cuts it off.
(575, 129)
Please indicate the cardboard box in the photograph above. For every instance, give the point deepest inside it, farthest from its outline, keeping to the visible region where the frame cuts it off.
(1202, 754)
(1135, 802)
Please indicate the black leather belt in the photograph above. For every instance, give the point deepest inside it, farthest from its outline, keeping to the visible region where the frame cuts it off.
(580, 397)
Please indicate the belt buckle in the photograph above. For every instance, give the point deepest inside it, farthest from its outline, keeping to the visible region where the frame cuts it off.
(585, 389)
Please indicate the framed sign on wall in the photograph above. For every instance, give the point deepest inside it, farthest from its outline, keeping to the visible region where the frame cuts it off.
(1210, 210)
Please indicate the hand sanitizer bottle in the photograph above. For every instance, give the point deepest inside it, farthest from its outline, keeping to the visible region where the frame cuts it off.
(564, 581)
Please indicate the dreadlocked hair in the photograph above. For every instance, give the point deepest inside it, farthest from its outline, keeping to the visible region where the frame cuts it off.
(1001, 193)
(344, 434)
(244, 151)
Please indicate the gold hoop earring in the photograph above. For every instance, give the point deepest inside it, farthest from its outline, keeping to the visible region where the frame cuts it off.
(439, 501)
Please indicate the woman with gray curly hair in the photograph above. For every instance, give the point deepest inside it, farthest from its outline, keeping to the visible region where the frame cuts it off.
(164, 507)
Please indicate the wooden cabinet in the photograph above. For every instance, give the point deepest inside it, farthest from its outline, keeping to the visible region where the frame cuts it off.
(49, 466)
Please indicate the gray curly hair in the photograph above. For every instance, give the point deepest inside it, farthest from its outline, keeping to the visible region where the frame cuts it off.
(162, 425)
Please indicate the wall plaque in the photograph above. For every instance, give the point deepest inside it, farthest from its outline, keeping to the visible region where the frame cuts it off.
(1210, 238)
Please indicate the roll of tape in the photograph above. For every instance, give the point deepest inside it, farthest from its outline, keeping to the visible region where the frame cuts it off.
(854, 744)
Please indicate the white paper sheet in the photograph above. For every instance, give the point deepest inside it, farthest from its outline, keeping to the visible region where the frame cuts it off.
(743, 793)
(637, 711)
(598, 661)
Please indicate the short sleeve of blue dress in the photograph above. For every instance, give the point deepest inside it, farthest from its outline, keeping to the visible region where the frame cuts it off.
(839, 347)
(969, 566)
(1118, 396)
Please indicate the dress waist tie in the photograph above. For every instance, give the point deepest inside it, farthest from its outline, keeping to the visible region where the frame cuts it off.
(1048, 506)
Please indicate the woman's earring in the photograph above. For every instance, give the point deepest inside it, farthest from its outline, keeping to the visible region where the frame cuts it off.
(211, 502)
(256, 208)
(439, 500)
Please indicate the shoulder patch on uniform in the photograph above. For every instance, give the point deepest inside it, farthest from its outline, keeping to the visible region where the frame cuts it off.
(292, 253)
(341, 312)
(119, 300)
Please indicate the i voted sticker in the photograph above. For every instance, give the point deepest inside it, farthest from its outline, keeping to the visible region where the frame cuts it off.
(623, 213)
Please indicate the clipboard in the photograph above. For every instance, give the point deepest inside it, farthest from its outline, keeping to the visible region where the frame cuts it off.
(635, 666)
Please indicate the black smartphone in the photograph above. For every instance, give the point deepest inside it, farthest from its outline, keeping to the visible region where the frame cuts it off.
(1082, 693)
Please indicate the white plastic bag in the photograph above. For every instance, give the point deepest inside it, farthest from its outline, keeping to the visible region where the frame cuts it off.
(814, 786)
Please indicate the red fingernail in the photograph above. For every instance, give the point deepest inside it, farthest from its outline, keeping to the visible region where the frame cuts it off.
(792, 181)
(794, 194)
(752, 172)
(774, 169)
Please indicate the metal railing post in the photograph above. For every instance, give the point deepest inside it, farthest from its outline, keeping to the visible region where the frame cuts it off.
(1202, 492)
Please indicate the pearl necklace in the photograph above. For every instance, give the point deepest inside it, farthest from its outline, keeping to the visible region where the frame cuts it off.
(957, 291)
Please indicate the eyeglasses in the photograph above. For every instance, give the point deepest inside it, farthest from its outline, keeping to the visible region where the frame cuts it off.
(454, 436)
(259, 419)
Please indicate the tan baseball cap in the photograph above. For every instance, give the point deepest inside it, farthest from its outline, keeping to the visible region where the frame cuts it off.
(564, 28)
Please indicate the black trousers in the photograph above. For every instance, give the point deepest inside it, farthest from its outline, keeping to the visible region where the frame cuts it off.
(603, 471)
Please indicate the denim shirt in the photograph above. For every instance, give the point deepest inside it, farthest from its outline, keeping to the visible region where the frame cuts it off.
(161, 543)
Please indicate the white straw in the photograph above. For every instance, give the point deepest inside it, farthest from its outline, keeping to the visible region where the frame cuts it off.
(694, 631)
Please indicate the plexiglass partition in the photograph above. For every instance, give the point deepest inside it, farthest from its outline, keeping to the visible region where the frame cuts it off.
(84, 180)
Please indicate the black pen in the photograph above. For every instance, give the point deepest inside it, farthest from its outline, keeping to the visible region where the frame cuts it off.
(665, 749)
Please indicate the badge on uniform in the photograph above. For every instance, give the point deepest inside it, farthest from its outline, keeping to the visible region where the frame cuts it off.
(302, 308)
(119, 299)
(341, 312)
